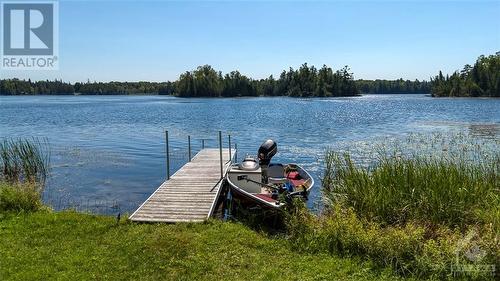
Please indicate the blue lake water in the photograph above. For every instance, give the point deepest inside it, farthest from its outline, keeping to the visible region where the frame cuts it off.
(110, 150)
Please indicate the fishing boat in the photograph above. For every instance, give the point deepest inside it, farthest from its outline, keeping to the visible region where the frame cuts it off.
(269, 185)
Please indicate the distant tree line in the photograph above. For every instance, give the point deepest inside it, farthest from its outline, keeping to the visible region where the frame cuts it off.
(480, 80)
(26, 87)
(306, 81)
(124, 88)
(399, 86)
(56, 87)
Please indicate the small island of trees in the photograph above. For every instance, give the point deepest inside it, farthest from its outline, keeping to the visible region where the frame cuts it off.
(307, 81)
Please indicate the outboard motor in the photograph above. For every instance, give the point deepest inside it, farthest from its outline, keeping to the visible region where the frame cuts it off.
(266, 151)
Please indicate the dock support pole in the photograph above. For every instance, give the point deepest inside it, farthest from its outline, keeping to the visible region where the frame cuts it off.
(229, 140)
(189, 148)
(202, 143)
(220, 154)
(236, 153)
(168, 155)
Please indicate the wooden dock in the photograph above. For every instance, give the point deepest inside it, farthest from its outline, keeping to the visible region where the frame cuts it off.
(190, 194)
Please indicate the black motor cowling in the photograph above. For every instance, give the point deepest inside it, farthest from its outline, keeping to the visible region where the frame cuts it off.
(266, 151)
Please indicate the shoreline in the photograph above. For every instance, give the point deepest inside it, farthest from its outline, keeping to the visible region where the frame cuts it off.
(220, 97)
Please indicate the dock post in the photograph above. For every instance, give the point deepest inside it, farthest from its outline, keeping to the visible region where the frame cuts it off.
(168, 155)
(229, 140)
(189, 148)
(220, 152)
(235, 152)
(202, 143)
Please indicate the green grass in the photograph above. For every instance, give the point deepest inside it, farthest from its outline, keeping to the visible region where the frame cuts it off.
(74, 246)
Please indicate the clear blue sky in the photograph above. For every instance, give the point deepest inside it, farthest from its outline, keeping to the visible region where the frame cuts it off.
(156, 41)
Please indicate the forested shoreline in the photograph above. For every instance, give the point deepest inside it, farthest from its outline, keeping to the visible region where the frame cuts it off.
(58, 87)
(481, 79)
(399, 86)
(306, 81)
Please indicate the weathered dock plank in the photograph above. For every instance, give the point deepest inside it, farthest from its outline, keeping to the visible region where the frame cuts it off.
(190, 194)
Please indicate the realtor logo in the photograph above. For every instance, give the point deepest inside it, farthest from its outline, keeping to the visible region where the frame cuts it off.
(29, 35)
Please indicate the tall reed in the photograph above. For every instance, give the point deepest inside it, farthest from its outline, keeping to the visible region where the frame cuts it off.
(439, 190)
(24, 161)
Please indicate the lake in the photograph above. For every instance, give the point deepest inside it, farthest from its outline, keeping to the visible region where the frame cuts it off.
(108, 152)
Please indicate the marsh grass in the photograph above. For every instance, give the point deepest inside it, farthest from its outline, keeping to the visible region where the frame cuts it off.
(24, 166)
(24, 161)
(436, 190)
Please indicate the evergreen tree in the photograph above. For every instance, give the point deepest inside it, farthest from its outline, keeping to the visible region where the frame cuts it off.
(482, 79)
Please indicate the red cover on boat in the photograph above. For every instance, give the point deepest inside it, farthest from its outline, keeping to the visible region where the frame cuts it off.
(295, 178)
(297, 182)
(293, 175)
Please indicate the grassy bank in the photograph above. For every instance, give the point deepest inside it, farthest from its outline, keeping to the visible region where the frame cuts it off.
(68, 245)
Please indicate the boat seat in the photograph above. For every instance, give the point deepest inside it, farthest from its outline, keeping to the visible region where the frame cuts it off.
(276, 180)
(276, 171)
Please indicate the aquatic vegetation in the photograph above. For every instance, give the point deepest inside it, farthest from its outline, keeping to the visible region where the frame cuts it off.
(438, 190)
(24, 161)
(24, 167)
(454, 143)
